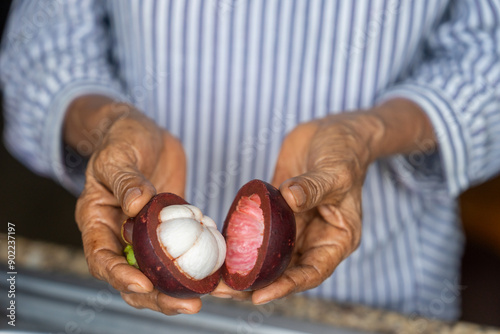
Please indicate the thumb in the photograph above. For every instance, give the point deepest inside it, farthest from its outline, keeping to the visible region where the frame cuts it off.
(309, 190)
(136, 193)
(129, 186)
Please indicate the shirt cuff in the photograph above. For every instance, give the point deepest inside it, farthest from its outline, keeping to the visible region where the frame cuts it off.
(65, 164)
(444, 169)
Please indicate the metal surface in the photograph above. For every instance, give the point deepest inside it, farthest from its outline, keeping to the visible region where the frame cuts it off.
(57, 304)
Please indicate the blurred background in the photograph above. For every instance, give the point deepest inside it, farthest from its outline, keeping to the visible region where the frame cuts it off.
(42, 210)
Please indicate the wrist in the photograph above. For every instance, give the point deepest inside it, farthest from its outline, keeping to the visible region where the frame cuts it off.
(400, 127)
(89, 118)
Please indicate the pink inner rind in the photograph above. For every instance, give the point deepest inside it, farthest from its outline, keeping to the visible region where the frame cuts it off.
(245, 233)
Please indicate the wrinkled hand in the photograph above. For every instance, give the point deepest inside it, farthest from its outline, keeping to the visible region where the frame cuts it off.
(320, 172)
(135, 160)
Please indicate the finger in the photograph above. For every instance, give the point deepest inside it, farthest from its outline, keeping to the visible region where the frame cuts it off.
(102, 246)
(295, 279)
(132, 190)
(346, 223)
(103, 252)
(162, 303)
(224, 291)
(311, 189)
(97, 204)
(312, 268)
(282, 287)
(97, 220)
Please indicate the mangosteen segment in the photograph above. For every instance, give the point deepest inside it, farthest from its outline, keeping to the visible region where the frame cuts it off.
(195, 248)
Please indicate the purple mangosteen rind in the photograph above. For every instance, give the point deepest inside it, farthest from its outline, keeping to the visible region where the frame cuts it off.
(273, 258)
(153, 261)
(275, 253)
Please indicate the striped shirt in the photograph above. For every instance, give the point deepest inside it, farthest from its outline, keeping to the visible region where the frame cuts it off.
(231, 77)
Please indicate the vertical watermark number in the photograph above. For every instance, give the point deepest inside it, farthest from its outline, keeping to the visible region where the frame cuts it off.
(11, 273)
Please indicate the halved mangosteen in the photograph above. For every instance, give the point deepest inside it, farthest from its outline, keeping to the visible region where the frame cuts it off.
(260, 236)
(175, 246)
(180, 250)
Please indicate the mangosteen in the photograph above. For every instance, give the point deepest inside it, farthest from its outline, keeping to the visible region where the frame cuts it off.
(181, 251)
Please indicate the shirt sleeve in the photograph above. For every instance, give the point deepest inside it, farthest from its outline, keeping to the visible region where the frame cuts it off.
(457, 85)
(52, 53)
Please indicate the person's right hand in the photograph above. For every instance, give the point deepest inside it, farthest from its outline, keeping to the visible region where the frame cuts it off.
(134, 160)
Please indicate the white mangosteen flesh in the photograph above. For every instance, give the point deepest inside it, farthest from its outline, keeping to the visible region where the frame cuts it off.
(191, 240)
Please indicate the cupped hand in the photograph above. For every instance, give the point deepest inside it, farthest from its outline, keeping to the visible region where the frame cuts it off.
(320, 172)
(135, 160)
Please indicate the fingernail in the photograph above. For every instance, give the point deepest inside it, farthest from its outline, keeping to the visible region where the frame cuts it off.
(222, 295)
(131, 195)
(183, 311)
(135, 288)
(299, 195)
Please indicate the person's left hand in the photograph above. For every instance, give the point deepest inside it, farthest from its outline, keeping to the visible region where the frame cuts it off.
(320, 172)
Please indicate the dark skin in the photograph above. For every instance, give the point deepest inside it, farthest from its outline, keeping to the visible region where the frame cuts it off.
(320, 172)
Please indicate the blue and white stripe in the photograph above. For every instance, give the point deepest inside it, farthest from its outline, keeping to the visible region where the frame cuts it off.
(232, 77)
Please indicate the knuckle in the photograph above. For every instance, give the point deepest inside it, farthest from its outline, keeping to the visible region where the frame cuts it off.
(339, 251)
(108, 262)
(347, 241)
(82, 209)
(164, 304)
(101, 263)
(167, 310)
(319, 185)
(94, 263)
(120, 181)
(132, 300)
(113, 265)
(315, 191)
(93, 268)
(344, 233)
(100, 160)
(343, 176)
(293, 284)
(108, 162)
(94, 271)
